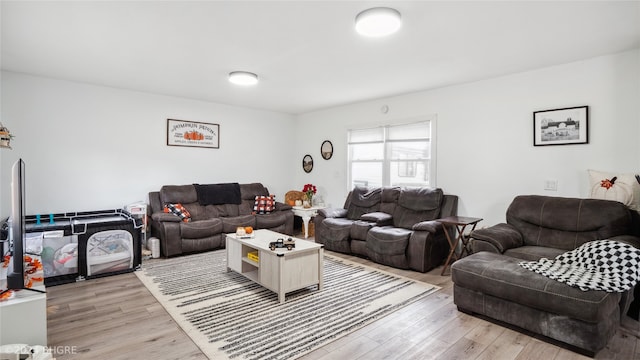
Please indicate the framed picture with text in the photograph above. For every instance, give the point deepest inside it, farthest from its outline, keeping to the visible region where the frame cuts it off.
(193, 133)
(561, 126)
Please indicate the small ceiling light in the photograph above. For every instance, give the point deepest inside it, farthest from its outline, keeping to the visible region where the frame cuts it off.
(379, 21)
(243, 78)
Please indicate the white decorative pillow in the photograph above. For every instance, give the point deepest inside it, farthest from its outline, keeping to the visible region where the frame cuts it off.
(619, 187)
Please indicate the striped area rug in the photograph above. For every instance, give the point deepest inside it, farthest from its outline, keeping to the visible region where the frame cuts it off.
(230, 317)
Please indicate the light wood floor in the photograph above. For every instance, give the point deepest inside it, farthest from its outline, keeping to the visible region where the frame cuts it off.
(117, 318)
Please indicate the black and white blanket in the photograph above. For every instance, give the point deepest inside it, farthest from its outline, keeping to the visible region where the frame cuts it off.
(605, 265)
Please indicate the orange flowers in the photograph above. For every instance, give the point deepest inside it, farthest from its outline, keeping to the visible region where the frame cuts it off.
(6, 295)
(32, 266)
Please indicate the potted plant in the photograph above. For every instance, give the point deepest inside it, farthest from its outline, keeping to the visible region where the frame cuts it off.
(309, 190)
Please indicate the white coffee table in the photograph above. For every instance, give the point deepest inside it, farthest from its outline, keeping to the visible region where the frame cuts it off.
(282, 270)
(306, 214)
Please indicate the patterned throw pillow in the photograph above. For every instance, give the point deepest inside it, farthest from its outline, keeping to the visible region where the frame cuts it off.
(624, 188)
(264, 204)
(178, 210)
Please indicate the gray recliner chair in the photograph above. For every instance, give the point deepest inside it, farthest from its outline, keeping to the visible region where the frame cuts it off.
(491, 283)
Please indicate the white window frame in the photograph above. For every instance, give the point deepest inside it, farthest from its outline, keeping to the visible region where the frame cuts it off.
(386, 163)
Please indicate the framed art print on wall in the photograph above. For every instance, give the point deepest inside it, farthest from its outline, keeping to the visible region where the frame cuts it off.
(326, 150)
(192, 133)
(561, 126)
(307, 163)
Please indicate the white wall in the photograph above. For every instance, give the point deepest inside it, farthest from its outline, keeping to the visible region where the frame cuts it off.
(90, 147)
(485, 151)
(93, 148)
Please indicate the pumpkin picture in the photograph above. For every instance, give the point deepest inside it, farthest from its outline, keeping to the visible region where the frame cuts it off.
(193, 135)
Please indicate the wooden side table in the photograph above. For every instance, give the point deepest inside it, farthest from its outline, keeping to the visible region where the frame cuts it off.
(459, 223)
(306, 214)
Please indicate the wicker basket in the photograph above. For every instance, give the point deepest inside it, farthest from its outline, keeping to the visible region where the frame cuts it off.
(312, 229)
(291, 196)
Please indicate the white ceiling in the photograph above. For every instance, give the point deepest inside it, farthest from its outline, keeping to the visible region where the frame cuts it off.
(306, 53)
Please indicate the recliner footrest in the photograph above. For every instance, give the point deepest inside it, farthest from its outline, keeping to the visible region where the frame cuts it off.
(496, 286)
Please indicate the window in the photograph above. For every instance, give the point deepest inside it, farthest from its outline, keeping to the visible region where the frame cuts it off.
(392, 155)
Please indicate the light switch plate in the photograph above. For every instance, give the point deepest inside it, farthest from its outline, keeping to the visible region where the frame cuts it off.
(551, 185)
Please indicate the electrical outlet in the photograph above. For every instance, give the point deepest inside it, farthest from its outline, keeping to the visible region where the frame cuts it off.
(551, 185)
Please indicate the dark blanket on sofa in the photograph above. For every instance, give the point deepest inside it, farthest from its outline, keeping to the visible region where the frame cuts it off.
(216, 194)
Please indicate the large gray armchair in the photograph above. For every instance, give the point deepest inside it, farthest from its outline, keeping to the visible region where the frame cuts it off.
(545, 226)
(491, 283)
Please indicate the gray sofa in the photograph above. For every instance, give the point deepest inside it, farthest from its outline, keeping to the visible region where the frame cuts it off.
(216, 209)
(491, 283)
(390, 225)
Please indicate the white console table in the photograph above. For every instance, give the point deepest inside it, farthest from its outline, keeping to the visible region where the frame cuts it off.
(306, 214)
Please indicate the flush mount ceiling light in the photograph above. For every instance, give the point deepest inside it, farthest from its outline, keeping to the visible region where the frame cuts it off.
(243, 78)
(379, 21)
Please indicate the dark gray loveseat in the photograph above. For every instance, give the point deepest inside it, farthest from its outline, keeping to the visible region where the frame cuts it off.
(212, 215)
(491, 283)
(390, 225)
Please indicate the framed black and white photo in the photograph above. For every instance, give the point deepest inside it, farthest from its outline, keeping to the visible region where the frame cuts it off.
(307, 163)
(561, 126)
(326, 149)
(192, 133)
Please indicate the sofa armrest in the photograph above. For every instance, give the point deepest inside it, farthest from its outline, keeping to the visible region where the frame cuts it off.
(501, 237)
(428, 246)
(627, 239)
(283, 207)
(164, 217)
(333, 212)
(429, 225)
(380, 218)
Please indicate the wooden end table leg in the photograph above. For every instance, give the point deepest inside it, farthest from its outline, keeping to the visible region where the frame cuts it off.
(465, 240)
(452, 250)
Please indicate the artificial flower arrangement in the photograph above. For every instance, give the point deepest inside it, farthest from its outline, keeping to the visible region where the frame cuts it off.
(32, 265)
(309, 190)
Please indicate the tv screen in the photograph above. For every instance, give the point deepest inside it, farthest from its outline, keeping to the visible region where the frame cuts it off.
(15, 275)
